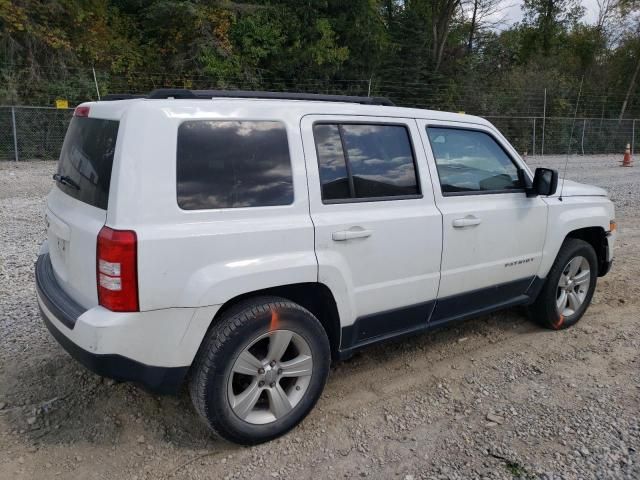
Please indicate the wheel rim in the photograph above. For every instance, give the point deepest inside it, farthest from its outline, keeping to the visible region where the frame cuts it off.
(270, 377)
(573, 286)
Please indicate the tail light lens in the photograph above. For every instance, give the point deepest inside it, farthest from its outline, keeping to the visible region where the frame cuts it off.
(117, 270)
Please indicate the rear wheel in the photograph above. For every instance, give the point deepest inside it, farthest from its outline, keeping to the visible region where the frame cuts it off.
(260, 370)
(569, 287)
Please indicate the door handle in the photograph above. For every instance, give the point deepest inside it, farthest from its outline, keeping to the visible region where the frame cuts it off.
(468, 221)
(343, 235)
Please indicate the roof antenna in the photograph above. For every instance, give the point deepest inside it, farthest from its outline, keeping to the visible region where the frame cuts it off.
(95, 80)
(573, 124)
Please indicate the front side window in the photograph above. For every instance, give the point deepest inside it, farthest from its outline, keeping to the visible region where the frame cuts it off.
(231, 164)
(365, 161)
(471, 161)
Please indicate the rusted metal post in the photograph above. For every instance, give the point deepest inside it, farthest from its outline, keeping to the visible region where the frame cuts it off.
(15, 136)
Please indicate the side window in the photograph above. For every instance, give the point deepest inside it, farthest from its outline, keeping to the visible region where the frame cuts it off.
(333, 167)
(471, 161)
(230, 164)
(365, 161)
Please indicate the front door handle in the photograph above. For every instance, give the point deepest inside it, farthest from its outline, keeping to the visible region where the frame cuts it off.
(468, 221)
(350, 234)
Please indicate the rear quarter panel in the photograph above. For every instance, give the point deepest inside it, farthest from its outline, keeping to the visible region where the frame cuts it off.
(198, 258)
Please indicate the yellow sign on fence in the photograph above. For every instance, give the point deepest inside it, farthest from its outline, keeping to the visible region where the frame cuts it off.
(62, 103)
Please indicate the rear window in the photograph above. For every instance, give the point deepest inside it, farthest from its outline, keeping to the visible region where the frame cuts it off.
(231, 164)
(86, 159)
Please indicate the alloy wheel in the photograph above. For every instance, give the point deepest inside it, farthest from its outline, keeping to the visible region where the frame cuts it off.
(573, 286)
(270, 377)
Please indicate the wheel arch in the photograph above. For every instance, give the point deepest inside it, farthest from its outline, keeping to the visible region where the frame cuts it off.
(584, 218)
(314, 296)
(597, 238)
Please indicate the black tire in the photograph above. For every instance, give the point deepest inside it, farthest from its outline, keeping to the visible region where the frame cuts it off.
(227, 339)
(544, 310)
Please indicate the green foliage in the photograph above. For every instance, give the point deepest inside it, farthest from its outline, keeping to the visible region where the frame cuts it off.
(415, 51)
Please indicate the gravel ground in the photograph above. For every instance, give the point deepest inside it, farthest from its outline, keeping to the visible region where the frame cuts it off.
(494, 397)
(601, 170)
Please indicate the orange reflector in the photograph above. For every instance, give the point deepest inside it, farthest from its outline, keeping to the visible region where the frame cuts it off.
(559, 323)
(275, 321)
(613, 226)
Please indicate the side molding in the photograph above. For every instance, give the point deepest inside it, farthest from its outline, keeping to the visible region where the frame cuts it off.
(391, 323)
(379, 327)
(477, 302)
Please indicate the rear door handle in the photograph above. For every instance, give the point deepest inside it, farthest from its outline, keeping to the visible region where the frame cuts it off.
(343, 235)
(468, 221)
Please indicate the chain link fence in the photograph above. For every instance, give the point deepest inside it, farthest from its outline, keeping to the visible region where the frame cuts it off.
(561, 135)
(32, 133)
(39, 133)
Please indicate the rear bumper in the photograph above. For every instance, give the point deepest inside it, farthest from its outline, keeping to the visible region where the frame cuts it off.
(108, 343)
(156, 379)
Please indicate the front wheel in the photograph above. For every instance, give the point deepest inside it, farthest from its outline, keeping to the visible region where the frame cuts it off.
(260, 370)
(569, 287)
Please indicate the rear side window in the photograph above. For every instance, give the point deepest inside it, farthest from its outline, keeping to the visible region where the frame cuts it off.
(333, 167)
(86, 159)
(230, 164)
(365, 161)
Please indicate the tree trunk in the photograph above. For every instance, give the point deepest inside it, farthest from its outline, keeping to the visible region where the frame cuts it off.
(388, 11)
(546, 29)
(441, 50)
(632, 85)
(473, 26)
(441, 22)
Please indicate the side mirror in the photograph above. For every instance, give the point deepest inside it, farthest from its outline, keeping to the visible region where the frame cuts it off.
(545, 181)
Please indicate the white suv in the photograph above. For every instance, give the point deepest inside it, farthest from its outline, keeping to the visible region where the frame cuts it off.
(240, 241)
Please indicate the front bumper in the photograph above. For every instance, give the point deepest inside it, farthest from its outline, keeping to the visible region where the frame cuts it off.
(605, 266)
(100, 339)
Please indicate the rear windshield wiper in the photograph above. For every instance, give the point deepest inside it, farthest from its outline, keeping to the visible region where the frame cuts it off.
(66, 180)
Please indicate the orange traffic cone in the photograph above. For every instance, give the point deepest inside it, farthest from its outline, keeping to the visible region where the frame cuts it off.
(627, 161)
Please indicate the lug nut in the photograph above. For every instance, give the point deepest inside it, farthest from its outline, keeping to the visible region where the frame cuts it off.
(279, 371)
(261, 371)
(298, 387)
(273, 363)
(272, 384)
(261, 383)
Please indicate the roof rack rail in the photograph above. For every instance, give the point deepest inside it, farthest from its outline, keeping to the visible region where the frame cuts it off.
(121, 96)
(208, 94)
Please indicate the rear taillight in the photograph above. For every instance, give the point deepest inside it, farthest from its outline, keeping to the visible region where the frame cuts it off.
(116, 269)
